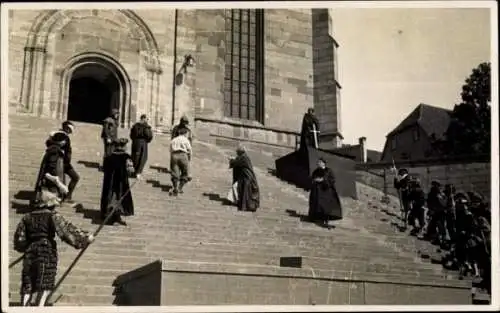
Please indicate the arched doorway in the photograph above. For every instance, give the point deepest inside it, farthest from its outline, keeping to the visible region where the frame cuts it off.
(92, 85)
(93, 93)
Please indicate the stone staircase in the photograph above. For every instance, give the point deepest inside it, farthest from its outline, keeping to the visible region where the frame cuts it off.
(197, 227)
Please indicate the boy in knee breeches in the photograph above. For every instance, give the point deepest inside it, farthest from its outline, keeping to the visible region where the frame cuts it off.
(180, 156)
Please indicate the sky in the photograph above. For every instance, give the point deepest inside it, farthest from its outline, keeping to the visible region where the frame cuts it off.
(392, 59)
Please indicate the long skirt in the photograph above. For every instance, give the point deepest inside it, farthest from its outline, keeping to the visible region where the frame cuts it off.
(39, 267)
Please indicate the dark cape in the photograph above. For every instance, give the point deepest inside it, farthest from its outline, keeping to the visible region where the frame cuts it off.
(324, 201)
(52, 163)
(66, 148)
(248, 188)
(306, 134)
(178, 127)
(141, 135)
(115, 184)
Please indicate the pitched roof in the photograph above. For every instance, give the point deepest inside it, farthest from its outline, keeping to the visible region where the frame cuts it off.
(433, 120)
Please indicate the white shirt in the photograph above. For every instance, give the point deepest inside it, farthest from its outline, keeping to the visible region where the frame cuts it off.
(180, 144)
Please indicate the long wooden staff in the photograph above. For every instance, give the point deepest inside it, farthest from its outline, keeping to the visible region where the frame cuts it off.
(68, 270)
(401, 207)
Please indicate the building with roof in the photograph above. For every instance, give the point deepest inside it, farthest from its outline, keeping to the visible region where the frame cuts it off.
(359, 153)
(415, 137)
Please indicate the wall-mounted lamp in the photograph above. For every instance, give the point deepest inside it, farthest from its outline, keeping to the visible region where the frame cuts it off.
(188, 62)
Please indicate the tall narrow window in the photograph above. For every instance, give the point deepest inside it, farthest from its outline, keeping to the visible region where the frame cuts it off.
(244, 72)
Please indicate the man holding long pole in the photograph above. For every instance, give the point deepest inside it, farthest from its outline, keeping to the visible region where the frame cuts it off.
(402, 185)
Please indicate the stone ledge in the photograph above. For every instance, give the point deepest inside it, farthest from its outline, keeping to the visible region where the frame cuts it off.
(279, 272)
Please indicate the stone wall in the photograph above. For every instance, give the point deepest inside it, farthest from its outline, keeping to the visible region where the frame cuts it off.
(466, 175)
(143, 45)
(47, 45)
(326, 86)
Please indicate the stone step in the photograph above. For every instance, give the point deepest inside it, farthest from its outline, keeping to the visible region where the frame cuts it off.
(173, 228)
(77, 298)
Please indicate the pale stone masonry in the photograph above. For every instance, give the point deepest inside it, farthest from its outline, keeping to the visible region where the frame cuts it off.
(137, 48)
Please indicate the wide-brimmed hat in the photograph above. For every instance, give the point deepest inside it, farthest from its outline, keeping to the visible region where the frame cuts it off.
(115, 111)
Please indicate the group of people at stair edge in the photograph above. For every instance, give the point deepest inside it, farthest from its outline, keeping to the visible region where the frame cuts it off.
(457, 221)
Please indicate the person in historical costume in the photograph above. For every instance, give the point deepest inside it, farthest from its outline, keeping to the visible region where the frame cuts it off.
(35, 237)
(450, 211)
(180, 157)
(141, 135)
(118, 167)
(309, 130)
(417, 213)
(402, 185)
(109, 132)
(324, 201)
(436, 204)
(183, 124)
(66, 130)
(51, 173)
(244, 193)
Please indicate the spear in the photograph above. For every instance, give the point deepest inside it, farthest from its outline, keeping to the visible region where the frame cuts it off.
(80, 254)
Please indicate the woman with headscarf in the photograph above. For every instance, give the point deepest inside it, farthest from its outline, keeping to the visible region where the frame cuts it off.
(35, 237)
(245, 190)
(324, 201)
(118, 167)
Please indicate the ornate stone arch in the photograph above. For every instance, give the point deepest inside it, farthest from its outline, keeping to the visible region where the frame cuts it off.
(47, 23)
(106, 61)
(41, 40)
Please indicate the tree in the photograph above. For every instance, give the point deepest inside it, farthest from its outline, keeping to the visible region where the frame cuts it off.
(469, 131)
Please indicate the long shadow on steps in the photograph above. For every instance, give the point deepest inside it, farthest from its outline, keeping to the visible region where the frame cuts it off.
(160, 169)
(21, 208)
(305, 219)
(217, 198)
(157, 184)
(26, 195)
(89, 164)
(93, 215)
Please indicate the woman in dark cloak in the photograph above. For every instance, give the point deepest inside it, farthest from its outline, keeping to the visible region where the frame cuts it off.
(324, 202)
(117, 168)
(51, 173)
(247, 188)
(35, 237)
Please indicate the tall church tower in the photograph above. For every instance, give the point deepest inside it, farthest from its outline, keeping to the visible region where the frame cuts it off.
(326, 86)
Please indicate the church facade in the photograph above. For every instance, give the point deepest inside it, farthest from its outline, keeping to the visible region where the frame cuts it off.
(240, 74)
